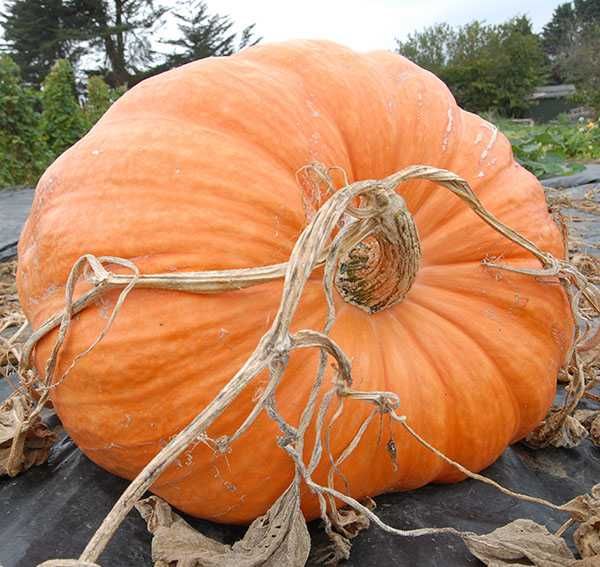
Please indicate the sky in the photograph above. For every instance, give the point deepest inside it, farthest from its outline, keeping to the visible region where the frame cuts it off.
(366, 24)
(371, 24)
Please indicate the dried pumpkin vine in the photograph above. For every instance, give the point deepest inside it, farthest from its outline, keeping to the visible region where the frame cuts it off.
(280, 537)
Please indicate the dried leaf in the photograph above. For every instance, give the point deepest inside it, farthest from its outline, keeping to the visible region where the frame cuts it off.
(349, 523)
(587, 538)
(22, 446)
(522, 542)
(585, 506)
(590, 419)
(277, 539)
(346, 524)
(586, 510)
(594, 430)
(557, 430)
(337, 550)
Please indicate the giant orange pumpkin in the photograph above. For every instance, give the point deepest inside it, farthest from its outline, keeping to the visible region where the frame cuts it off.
(195, 169)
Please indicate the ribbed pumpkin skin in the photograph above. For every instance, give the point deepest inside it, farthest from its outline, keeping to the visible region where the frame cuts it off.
(195, 170)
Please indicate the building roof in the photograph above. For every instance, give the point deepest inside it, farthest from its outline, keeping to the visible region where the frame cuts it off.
(553, 91)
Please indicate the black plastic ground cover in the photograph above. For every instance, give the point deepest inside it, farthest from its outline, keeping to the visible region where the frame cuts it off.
(14, 208)
(591, 174)
(52, 510)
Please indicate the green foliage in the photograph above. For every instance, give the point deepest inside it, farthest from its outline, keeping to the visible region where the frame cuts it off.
(37, 33)
(558, 33)
(115, 35)
(30, 141)
(120, 33)
(580, 64)
(62, 121)
(486, 67)
(572, 45)
(549, 150)
(22, 155)
(99, 98)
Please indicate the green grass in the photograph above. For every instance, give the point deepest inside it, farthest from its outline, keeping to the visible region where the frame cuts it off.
(553, 149)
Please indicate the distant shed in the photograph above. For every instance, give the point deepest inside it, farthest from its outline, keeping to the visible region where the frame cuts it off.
(550, 101)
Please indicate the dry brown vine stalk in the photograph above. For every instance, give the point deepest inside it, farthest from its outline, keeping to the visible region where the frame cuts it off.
(382, 215)
(565, 425)
(12, 320)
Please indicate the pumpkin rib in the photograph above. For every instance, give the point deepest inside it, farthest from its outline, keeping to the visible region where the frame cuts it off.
(454, 447)
(522, 428)
(497, 300)
(505, 212)
(446, 441)
(290, 72)
(392, 313)
(253, 145)
(516, 418)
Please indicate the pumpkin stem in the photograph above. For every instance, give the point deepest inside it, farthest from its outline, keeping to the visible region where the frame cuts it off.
(378, 271)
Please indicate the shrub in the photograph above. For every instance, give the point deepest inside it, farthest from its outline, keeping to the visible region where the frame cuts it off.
(22, 150)
(62, 122)
(99, 99)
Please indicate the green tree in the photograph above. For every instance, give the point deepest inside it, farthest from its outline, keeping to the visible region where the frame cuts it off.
(62, 121)
(486, 67)
(206, 35)
(559, 32)
(431, 48)
(572, 45)
(580, 64)
(119, 32)
(99, 99)
(23, 155)
(588, 11)
(36, 34)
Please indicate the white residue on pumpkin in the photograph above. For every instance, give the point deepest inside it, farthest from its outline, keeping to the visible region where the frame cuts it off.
(481, 174)
(189, 459)
(490, 314)
(493, 137)
(223, 332)
(313, 109)
(478, 138)
(127, 421)
(177, 171)
(50, 290)
(96, 152)
(277, 225)
(448, 129)
(315, 138)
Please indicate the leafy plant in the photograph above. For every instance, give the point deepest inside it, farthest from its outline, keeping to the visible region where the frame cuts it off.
(23, 154)
(62, 122)
(551, 150)
(99, 99)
